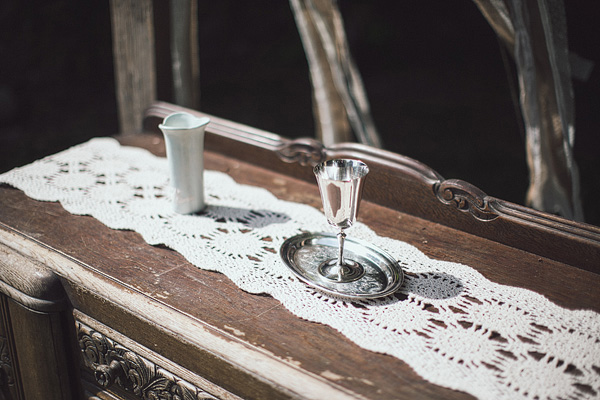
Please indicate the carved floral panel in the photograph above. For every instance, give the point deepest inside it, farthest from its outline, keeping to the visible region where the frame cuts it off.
(114, 364)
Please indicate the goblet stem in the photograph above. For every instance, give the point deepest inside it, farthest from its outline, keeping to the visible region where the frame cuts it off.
(341, 238)
(338, 269)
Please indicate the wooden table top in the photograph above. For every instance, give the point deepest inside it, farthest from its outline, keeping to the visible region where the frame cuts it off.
(157, 281)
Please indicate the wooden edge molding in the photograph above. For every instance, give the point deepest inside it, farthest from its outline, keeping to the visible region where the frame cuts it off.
(470, 199)
(387, 160)
(28, 282)
(217, 126)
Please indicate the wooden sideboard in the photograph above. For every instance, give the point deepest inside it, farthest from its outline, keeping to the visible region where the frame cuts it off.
(95, 313)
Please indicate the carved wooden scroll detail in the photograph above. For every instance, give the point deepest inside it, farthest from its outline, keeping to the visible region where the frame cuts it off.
(113, 364)
(7, 377)
(465, 197)
(303, 151)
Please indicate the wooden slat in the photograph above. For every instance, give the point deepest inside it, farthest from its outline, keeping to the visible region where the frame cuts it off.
(133, 51)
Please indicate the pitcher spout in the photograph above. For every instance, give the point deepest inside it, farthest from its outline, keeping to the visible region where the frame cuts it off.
(183, 121)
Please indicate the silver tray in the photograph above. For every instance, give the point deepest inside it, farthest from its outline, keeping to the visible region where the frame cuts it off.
(305, 253)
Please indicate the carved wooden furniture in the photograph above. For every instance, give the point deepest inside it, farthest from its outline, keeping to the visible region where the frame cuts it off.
(87, 314)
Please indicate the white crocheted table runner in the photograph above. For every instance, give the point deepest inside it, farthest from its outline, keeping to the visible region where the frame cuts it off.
(454, 327)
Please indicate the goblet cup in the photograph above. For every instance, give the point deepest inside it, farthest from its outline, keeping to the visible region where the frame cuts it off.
(340, 184)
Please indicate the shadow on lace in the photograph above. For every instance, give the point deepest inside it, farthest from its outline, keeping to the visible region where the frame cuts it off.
(431, 285)
(253, 219)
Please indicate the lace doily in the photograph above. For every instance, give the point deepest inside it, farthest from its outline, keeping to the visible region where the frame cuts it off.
(454, 327)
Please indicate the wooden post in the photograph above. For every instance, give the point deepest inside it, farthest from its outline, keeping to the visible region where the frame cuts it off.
(185, 63)
(134, 61)
(340, 103)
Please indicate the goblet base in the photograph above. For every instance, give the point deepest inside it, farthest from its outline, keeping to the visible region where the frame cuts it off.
(349, 271)
(312, 257)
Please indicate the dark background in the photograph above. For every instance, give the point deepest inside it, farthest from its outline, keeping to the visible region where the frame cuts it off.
(433, 71)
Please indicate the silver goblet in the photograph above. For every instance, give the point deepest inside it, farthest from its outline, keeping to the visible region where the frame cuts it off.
(340, 184)
(318, 258)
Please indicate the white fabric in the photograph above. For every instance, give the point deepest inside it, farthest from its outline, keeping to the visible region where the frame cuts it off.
(454, 327)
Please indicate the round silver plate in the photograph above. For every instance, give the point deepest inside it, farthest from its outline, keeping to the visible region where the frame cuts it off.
(305, 253)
